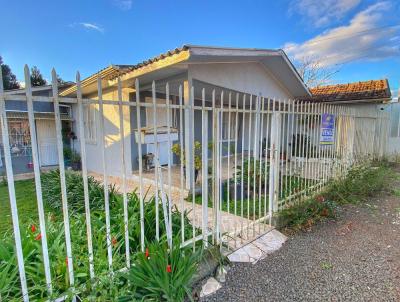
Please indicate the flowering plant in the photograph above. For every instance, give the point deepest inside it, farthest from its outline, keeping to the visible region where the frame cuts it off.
(166, 275)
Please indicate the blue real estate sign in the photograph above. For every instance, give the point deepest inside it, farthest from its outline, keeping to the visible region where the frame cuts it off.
(327, 136)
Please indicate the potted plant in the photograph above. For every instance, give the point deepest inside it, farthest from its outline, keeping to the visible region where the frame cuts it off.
(176, 149)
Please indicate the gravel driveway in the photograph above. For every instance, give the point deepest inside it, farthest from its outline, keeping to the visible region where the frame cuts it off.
(356, 258)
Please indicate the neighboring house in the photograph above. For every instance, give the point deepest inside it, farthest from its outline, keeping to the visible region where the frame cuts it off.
(260, 72)
(18, 128)
(371, 103)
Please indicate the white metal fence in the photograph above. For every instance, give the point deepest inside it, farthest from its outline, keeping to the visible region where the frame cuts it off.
(254, 156)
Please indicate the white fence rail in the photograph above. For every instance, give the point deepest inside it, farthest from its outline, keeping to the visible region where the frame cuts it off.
(255, 156)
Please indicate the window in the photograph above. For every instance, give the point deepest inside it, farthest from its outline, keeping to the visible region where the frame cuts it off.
(90, 123)
(226, 127)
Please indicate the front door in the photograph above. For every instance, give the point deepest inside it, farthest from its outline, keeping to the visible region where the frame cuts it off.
(47, 142)
(161, 120)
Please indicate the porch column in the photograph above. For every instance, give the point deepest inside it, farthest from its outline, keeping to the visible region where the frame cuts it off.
(189, 117)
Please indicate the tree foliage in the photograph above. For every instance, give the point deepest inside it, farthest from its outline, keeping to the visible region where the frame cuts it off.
(37, 78)
(9, 79)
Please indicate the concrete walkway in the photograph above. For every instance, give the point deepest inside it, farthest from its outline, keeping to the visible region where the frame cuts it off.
(236, 230)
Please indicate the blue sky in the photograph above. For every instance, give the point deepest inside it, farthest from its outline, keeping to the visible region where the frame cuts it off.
(359, 39)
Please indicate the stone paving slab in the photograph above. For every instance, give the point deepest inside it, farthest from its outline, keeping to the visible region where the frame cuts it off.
(259, 248)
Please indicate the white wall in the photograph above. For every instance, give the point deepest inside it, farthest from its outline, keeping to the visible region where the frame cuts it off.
(112, 138)
(244, 77)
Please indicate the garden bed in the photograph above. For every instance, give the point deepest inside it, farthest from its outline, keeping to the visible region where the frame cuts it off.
(169, 265)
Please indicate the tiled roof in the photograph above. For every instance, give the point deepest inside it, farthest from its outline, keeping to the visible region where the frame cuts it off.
(368, 90)
(123, 69)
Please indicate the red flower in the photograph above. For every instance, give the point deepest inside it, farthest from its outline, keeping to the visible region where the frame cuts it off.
(169, 270)
(114, 241)
(38, 237)
(146, 254)
(33, 228)
(320, 198)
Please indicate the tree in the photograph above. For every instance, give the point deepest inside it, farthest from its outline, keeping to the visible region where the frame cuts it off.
(60, 81)
(9, 79)
(314, 73)
(37, 78)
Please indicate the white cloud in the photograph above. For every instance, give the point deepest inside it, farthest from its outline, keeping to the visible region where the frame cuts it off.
(322, 12)
(88, 26)
(363, 37)
(123, 4)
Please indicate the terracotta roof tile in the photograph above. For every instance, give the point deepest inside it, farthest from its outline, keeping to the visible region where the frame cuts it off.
(368, 90)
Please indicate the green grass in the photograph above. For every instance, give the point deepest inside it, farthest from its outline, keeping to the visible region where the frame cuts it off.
(26, 204)
(254, 209)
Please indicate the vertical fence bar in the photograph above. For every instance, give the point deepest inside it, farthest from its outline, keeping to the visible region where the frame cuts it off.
(260, 163)
(297, 146)
(169, 158)
(139, 143)
(123, 167)
(286, 151)
(214, 162)
(64, 200)
(332, 149)
(218, 163)
(204, 172)
(313, 147)
(337, 142)
(281, 144)
(320, 161)
(105, 176)
(182, 162)
(291, 151)
(84, 174)
(272, 163)
(267, 149)
(308, 143)
(156, 200)
(308, 147)
(193, 166)
(249, 164)
(11, 192)
(235, 157)
(38, 184)
(229, 150)
(242, 166)
(255, 156)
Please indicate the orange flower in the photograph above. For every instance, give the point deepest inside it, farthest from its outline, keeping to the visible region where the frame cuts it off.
(38, 237)
(33, 228)
(146, 254)
(169, 269)
(114, 241)
(320, 198)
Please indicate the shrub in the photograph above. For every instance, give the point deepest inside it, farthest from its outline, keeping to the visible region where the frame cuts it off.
(360, 182)
(51, 188)
(305, 214)
(252, 172)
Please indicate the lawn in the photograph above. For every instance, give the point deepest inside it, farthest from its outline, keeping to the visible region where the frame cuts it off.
(26, 203)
